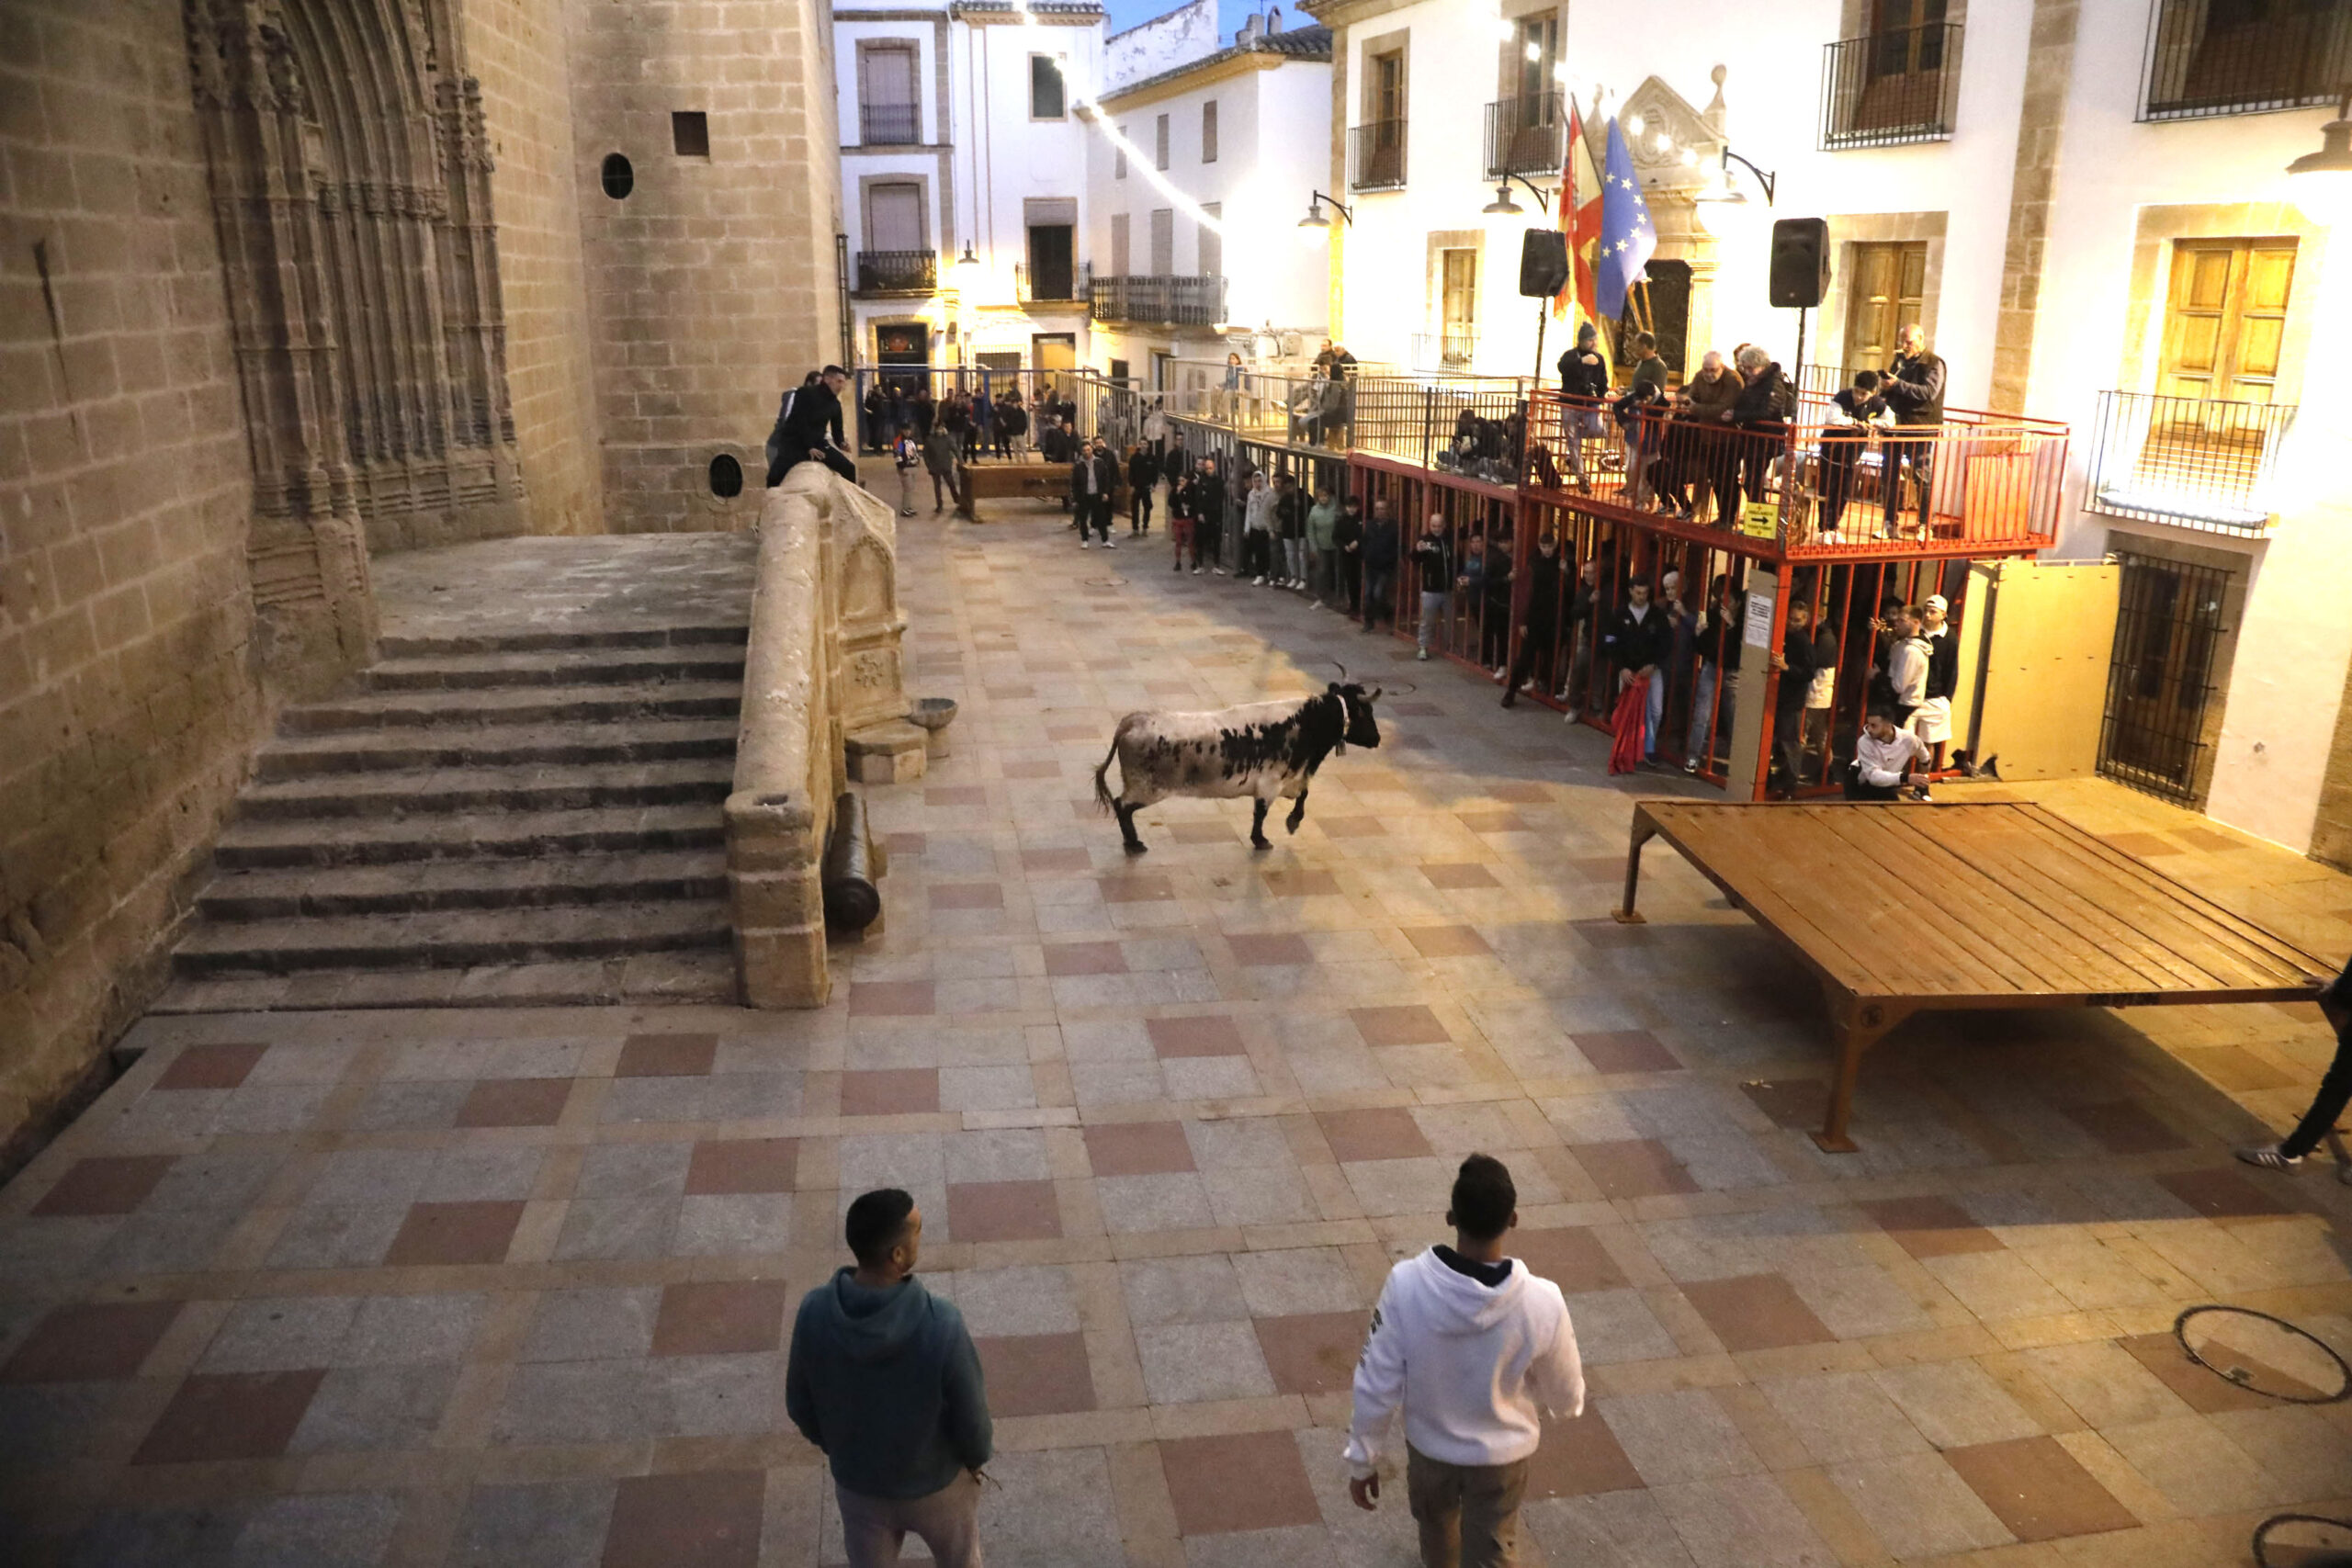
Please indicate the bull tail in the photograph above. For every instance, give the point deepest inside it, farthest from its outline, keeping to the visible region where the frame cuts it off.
(1102, 795)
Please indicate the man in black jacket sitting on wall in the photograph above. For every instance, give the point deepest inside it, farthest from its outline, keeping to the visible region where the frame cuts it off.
(808, 429)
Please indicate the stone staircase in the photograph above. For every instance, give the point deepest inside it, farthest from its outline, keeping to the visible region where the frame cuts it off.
(486, 817)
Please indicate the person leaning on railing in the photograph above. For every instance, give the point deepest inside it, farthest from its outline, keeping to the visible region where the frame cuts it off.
(1584, 382)
(1913, 388)
(1707, 452)
(1760, 413)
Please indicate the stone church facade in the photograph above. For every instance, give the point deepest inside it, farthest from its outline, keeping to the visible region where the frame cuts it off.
(286, 284)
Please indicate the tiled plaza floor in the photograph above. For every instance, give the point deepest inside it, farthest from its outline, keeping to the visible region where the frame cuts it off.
(510, 1289)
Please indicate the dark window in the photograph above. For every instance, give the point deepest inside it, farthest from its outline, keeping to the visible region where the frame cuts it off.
(2168, 631)
(1208, 131)
(1053, 274)
(726, 476)
(1661, 307)
(2211, 57)
(690, 134)
(1044, 87)
(619, 178)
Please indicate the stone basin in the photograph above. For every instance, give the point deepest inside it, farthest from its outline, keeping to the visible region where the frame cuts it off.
(933, 714)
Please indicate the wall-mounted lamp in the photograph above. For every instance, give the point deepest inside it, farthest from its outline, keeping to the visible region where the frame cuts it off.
(967, 259)
(1315, 218)
(1729, 191)
(1504, 207)
(2323, 184)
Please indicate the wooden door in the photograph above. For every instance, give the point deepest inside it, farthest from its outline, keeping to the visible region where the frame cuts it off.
(894, 218)
(2224, 319)
(1458, 306)
(1889, 293)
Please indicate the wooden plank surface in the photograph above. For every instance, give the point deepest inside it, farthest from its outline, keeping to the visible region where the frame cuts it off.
(1981, 904)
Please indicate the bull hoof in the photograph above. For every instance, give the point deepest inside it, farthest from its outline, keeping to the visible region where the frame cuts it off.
(1260, 841)
(1137, 847)
(1289, 824)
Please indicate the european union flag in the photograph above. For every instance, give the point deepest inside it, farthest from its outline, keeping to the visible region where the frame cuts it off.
(1627, 238)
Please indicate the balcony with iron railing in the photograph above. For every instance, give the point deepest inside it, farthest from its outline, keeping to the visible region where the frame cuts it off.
(1526, 136)
(1050, 285)
(1890, 88)
(1446, 353)
(2218, 57)
(2190, 462)
(889, 124)
(897, 272)
(1157, 300)
(1376, 155)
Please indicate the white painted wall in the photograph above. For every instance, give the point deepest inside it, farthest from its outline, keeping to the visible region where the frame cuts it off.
(1164, 42)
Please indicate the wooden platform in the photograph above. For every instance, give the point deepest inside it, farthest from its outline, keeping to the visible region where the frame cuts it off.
(1898, 907)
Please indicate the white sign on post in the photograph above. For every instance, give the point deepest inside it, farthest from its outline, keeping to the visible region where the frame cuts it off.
(1758, 633)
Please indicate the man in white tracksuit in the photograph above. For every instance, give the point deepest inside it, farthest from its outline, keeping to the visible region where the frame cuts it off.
(1478, 1350)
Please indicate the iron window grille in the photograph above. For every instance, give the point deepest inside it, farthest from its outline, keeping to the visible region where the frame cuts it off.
(2190, 462)
(889, 124)
(1526, 136)
(2168, 634)
(2218, 57)
(1376, 155)
(1897, 85)
(897, 272)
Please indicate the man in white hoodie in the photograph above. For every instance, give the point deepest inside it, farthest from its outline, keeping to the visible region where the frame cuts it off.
(1478, 1350)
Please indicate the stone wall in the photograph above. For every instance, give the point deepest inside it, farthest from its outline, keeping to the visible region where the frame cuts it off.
(711, 284)
(128, 693)
(517, 48)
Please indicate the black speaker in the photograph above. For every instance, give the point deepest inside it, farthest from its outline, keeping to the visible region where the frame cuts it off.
(1799, 261)
(1543, 263)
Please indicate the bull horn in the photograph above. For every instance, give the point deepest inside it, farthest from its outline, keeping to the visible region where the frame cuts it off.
(1343, 671)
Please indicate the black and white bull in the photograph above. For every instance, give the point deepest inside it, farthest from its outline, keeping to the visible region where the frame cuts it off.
(1260, 750)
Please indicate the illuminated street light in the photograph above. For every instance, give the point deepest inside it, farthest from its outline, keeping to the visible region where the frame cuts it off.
(2322, 180)
(1315, 218)
(967, 260)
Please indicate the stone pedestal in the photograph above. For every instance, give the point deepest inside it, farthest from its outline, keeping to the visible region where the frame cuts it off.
(886, 753)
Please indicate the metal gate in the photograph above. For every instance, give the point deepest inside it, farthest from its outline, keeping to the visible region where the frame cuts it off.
(2167, 630)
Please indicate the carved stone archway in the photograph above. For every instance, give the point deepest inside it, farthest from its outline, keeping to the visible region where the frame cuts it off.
(351, 187)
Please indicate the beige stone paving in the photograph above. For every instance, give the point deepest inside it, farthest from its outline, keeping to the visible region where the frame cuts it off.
(511, 1287)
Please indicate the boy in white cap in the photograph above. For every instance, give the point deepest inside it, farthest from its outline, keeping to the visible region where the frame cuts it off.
(1932, 721)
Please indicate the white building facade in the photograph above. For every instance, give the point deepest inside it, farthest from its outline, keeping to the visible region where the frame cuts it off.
(961, 137)
(2084, 202)
(1194, 205)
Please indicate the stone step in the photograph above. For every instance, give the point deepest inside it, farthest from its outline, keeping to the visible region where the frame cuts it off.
(687, 976)
(558, 668)
(393, 646)
(462, 835)
(494, 746)
(541, 882)
(447, 938)
(515, 705)
(522, 788)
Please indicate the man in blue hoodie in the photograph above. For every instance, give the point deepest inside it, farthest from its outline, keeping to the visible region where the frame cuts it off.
(884, 1379)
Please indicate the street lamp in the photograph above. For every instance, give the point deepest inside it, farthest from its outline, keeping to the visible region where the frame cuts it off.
(967, 261)
(1504, 207)
(1729, 192)
(2324, 179)
(1315, 218)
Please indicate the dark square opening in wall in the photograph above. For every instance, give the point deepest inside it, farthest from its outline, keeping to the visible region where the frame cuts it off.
(690, 134)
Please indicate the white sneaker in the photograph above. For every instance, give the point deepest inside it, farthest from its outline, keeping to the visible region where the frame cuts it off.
(1422, 654)
(1086, 544)
(1196, 571)
(1316, 606)
(1258, 582)
(1218, 570)
(1109, 543)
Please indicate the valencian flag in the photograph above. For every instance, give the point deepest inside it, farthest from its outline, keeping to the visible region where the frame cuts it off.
(1626, 237)
(1580, 221)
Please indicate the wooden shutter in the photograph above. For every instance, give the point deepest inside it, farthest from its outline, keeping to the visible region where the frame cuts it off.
(1163, 241)
(894, 218)
(1211, 242)
(1208, 131)
(1118, 245)
(2224, 319)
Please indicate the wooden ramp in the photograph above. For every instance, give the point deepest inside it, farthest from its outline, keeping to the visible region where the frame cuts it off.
(1898, 907)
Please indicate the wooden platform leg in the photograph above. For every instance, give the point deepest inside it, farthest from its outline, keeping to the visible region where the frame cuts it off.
(1643, 830)
(1860, 1026)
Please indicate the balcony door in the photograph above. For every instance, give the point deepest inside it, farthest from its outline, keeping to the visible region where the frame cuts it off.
(1888, 294)
(2225, 318)
(889, 108)
(894, 218)
(1458, 306)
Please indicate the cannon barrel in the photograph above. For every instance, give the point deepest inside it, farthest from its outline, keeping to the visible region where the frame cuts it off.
(853, 870)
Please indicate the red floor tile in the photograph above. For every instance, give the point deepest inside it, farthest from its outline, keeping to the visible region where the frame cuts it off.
(1570, 1257)
(1756, 1312)
(1301, 884)
(1043, 768)
(1607, 870)
(1205, 1034)
(720, 1317)
(891, 1091)
(1312, 1353)
(1036, 1374)
(1526, 793)
(220, 1415)
(1047, 861)
(904, 844)
(515, 1103)
(1579, 1459)
(955, 794)
(1351, 826)
(2037, 1489)
(210, 1066)
(106, 1184)
(1085, 958)
(1493, 821)
(1136, 887)
(1930, 1227)
(1270, 950)
(891, 998)
(1066, 733)
(1409, 1025)
(1138, 1148)
(667, 1056)
(1446, 941)
(1384, 1132)
(1633, 1168)
(90, 1342)
(454, 1232)
(1465, 874)
(743, 1165)
(1199, 832)
(1626, 1051)
(967, 895)
(2205, 1391)
(1003, 1211)
(703, 1518)
(1248, 1482)
(2221, 1194)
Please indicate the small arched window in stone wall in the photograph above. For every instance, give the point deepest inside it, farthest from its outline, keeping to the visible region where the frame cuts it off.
(619, 178)
(726, 476)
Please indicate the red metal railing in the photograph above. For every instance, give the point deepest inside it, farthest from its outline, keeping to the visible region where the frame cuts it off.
(1815, 487)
